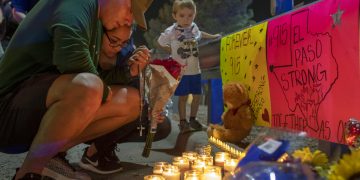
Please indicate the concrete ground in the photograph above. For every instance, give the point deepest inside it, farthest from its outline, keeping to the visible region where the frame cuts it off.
(135, 166)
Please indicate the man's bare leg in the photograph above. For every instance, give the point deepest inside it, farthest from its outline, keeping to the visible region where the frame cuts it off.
(124, 108)
(70, 97)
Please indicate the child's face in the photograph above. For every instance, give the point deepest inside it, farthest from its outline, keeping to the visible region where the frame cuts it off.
(184, 17)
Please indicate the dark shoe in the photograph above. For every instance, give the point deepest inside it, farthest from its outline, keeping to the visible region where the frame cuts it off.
(60, 168)
(101, 163)
(184, 126)
(33, 176)
(195, 124)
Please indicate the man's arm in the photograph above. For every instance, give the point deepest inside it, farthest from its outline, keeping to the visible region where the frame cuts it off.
(71, 51)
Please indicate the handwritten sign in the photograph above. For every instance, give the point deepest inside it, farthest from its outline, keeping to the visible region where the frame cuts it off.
(307, 75)
(243, 59)
(313, 66)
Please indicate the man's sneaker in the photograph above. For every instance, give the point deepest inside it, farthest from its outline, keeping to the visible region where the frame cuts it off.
(60, 168)
(195, 124)
(101, 163)
(184, 126)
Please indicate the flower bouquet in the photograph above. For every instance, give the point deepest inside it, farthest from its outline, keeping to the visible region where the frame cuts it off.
(161, 80)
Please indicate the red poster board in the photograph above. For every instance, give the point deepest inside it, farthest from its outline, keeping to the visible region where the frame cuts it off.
(313, 68)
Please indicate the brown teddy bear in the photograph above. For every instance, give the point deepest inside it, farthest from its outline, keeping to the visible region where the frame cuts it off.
(238, 119)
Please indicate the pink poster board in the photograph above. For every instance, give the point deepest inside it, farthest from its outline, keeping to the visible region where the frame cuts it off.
(313, 68)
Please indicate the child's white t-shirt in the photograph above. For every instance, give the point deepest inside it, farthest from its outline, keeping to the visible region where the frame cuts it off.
(185, 53)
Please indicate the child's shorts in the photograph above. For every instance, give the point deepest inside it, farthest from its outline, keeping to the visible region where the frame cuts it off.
(189, 84)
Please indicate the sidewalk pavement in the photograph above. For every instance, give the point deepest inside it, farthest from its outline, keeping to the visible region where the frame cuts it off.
(135, 166)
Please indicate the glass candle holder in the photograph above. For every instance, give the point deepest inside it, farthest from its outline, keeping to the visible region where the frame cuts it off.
(209, 160)
(230, 165)
(190, 155)
(182, 163)
(203, 149)
(198, 165)
(171, 172)
(154, 177)
(192, 175)
(220, 158)
(159, 167)
(212, 172)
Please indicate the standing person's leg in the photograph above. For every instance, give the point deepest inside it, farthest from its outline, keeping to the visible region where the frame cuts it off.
(182, 107)
(183, 91)
(183, 124)
(196, 91)
(75, 114)
(195, 105)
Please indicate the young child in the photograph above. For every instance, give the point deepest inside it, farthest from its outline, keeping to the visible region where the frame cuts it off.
(181, 40)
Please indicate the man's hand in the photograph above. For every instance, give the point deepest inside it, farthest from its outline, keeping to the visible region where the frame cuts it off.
(140, 58)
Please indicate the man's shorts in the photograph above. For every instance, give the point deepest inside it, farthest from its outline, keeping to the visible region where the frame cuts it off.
(189, 84)
(21, 112)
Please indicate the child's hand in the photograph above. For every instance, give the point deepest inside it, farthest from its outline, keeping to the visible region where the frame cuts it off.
(217, 36)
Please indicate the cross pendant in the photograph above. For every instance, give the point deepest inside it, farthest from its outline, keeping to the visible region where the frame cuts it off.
(141, 128)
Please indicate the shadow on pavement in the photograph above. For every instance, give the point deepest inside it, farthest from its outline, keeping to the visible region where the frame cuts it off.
(180, 145)
(131, 171)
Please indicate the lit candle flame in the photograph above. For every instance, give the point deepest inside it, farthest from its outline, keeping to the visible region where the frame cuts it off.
(225, 147)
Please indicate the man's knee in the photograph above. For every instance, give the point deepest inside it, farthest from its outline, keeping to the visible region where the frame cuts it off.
(83, 88)
(88, 89)
(126, 102)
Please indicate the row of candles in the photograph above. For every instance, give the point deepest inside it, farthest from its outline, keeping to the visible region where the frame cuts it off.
(225, 147)
(192, 166)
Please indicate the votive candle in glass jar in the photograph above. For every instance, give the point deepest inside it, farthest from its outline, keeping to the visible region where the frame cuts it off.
(220, 158)
(158, 167)
(182, 163)
(212, 172)
(198, 165)
(203, 149)
(171, 172)
(230, 165)
(190, 155)
(192, 175)
(209, 160)
(154, 177)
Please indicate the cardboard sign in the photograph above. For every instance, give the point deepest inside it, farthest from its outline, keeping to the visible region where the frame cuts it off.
(313, 64)
(312, 75)
(243, 59)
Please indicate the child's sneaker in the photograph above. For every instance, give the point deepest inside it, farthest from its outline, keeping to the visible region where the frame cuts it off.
(195, 124)
(184, 126)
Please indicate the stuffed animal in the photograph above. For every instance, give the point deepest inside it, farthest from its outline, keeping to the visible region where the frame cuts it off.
(238, 119)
